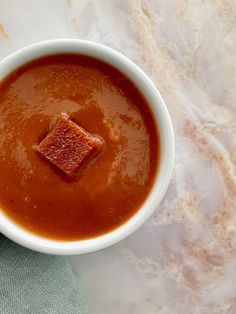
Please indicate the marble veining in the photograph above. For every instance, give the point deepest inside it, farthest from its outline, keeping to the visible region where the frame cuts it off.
(183, 260)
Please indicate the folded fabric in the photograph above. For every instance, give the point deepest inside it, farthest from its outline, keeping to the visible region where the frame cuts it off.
(37, 283)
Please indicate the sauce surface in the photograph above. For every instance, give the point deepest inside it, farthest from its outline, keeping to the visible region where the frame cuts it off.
(104, 102)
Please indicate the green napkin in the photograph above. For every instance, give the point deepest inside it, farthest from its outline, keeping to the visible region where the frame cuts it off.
(34, 283)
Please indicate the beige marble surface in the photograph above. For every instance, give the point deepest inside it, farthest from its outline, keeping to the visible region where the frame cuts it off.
(183, 260)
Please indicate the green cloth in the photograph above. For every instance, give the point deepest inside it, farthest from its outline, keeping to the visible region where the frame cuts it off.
(34, 283)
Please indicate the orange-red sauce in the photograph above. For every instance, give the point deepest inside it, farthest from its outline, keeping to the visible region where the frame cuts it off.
(104, 102)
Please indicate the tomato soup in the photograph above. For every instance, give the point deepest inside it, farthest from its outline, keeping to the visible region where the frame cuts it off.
(104, 102)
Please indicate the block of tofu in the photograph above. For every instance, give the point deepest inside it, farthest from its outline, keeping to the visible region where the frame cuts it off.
(69, 147)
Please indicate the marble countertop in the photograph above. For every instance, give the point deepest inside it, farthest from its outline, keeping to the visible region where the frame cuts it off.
(183, 260)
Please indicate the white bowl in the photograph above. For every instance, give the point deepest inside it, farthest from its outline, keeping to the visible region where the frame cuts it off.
(161, 116)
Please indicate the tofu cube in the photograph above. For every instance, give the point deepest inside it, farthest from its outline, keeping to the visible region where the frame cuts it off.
(69, 147)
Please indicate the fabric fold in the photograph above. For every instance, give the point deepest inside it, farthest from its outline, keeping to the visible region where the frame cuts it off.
(37, 283)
